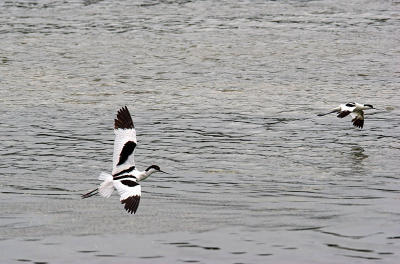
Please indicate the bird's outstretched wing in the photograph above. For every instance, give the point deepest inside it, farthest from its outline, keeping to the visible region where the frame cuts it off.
(130, 192)
(346, 109)
(343, 113)
(358, 119)
(124, 143)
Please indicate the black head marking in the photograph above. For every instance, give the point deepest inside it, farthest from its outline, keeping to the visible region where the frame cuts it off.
(153, 167)
(368, 105)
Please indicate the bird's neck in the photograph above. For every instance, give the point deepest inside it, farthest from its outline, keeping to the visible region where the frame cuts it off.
(361, 107)
(144, 174)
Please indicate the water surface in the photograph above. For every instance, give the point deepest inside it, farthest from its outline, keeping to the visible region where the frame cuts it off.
(224, 96)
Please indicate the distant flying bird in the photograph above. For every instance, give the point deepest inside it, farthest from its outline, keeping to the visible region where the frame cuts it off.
(356, 111)
(125, 177)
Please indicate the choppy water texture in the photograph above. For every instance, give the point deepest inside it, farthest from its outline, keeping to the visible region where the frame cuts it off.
(224, 95)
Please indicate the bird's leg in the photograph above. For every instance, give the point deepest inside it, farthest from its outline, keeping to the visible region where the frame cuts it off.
(91, 193)
(333, 111)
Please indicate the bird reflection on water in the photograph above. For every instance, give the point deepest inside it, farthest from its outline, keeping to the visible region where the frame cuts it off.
(357, 156)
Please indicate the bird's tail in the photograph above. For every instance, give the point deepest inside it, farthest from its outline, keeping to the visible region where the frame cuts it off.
(106, 188)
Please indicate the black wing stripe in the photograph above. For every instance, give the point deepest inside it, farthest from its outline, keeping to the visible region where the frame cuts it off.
(129, 183)
(343, 114)
(124, 171)
(125, 177)
(124, 119)
(126, 151)
(131, 203)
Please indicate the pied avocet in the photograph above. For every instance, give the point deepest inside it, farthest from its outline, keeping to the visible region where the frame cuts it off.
(125, 177)
(356, 111)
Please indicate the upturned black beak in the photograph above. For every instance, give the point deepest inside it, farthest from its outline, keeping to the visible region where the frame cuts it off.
(164, 172)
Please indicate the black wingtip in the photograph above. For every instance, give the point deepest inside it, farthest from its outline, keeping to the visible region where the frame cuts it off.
(124, 119)
(131, 204)
(358, 123)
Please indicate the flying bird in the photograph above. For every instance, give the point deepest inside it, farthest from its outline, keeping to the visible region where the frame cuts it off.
(125, 177)
(355, 110)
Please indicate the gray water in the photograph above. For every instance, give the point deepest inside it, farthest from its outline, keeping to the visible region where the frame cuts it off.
(224, 96)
